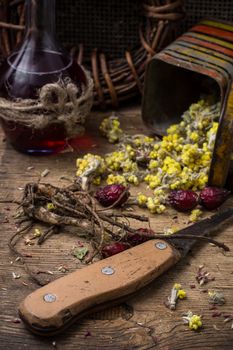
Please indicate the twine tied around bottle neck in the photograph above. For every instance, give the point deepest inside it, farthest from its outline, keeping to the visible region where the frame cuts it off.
(57, 103)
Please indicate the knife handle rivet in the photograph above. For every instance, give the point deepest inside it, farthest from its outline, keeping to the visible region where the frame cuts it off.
(108, 270)
(161, 245)
(49, 298)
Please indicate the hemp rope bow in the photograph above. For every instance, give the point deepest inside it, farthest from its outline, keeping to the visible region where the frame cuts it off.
(57, 103)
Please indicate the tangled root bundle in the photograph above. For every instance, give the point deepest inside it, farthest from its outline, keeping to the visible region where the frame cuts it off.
(71, 206)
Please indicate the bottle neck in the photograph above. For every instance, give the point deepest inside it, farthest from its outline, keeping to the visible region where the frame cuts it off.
(40, 17)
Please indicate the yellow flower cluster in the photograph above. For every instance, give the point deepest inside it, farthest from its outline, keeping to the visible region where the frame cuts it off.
(176, 293)
(170, 230)
(132, 179)
(116, 179)
(91, 165)
(195, 215)
(181, 160)
(88, 162)
(110, 128)
(171, 166)
(50, 206)
(153, 180)
(194, 321)
(172, 142)
(121, 160)
(141, 199)
(154, 205)
(181, 294)
(37, 232)
(141, 140)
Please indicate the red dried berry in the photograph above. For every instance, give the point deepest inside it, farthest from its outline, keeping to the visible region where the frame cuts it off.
(142, 235)
(111, 193)
(114, 248)
(212, 197)
(183, 200)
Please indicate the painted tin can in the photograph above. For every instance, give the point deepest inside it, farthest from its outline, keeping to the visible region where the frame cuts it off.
(200, 61)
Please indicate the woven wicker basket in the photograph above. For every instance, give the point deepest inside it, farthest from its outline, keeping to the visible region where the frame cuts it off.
(196, 10)
(113, 39)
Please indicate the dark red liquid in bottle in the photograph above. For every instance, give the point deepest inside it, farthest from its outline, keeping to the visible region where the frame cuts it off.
(39, 61)
(24, 81)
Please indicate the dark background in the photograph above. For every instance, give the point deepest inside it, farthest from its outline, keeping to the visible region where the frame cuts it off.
(113, 25)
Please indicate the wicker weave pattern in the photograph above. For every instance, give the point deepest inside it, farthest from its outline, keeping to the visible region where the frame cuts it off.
(199, 9)
(126, 36)
(93, 25)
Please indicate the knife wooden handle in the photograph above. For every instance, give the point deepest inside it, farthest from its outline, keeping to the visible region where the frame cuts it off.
(53, 307)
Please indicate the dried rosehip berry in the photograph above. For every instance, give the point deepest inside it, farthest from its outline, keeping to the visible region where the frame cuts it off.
(114, 248)
(111, 193)
(142, 235)
(183, 200)
(212, 197)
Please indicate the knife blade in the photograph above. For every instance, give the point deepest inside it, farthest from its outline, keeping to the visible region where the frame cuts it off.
(53, 307)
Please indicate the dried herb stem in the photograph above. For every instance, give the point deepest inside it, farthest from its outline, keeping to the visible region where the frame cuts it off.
(52, 230)
(128, 215)
(10, 201)
(13, 240)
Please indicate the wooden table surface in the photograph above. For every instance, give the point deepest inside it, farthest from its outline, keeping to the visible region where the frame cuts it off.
(142, 321)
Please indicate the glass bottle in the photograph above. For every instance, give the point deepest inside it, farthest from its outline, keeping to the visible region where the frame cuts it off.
(38, 61)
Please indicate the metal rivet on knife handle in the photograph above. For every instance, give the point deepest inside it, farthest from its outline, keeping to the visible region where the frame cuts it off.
(49, 298)
(161, 245)
(108, 270)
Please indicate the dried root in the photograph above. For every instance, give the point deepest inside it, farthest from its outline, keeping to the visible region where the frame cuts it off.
(72, 206)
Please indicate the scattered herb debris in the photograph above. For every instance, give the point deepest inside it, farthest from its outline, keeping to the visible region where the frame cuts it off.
(87, 334)
(63, 268)
(80, 253)
(228, 318)
(203, 277)
(194, 321)
(216, 298)
(45, 173)
(16, 320)
(176, 293)
(37, 232)
(16, 275)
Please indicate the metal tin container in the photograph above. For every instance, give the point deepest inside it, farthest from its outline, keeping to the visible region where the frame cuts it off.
(200, 61)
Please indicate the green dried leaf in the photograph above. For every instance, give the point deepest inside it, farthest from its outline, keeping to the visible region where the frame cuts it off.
(80, 253)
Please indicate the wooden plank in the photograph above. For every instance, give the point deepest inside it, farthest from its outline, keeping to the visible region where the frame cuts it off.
(142, 321)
